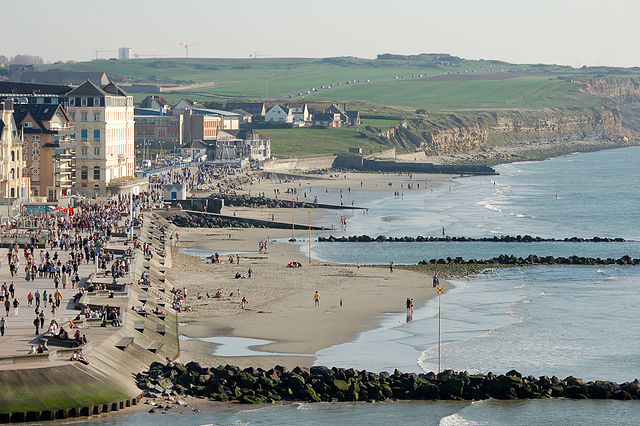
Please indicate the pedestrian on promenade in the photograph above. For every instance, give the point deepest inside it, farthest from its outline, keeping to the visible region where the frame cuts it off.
(15, 307)
(7, 305)
(30, 299)
(316, 299)
(58, 297)
(249, 272)
(3, 326)
(36, 323)
(37, 297)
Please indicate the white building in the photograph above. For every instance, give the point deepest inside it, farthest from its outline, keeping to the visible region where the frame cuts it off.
(277, 114)
(259, 146)
(125, 53)
(104, 135)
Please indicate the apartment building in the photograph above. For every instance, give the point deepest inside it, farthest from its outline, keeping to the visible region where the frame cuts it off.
(14, 184)
(104, 136)
(49, 150)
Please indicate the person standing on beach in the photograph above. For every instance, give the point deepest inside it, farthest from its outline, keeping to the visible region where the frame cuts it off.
(391, 266)
(316, 299)
(3, 325)
(436, 280)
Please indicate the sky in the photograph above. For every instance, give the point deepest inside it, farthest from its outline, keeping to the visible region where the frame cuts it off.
(567, 32)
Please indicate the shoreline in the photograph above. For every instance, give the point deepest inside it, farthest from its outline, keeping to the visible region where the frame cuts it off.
(280, 307)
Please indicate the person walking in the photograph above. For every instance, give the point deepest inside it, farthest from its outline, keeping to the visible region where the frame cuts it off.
(391, 266)
(58, 297)
(7, 305)
(316, 299)
(37, 297)
(15, 307)
(3, 325)
(36, 323)
(249, 272)
(436, 280)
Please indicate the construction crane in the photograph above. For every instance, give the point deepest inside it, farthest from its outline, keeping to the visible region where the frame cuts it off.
(98, 51)
(146, 55)
(186, 47)
(256, 55)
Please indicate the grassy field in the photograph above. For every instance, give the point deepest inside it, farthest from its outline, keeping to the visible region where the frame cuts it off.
(307, 142)
(513, 93)
(259, 78)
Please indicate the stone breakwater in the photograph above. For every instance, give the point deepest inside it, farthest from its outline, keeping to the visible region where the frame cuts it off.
(316, 384)
(533, 260)
(188, 219)
(249, 201)
(429, 239)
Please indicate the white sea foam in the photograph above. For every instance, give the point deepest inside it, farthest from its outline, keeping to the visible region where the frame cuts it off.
(456, 419)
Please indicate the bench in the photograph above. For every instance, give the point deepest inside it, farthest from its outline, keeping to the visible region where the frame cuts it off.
(124, 342)
(155, 345)
(139, 325)
(160, 329)
(56, 341)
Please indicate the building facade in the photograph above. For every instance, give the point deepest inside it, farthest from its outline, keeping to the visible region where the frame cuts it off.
(14, 184)
(104, 136)
(158, 130)
(49, 149)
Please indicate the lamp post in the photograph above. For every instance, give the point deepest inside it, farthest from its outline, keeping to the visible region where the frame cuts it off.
(309, 213)
(293, 208)
(440, 292)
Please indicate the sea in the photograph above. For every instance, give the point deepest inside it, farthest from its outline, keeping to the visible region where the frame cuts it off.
(541, 320)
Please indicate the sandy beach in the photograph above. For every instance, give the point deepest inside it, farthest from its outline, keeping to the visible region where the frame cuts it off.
(280, 300)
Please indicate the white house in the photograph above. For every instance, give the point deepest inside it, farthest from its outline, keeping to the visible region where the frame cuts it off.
(299, 112)
(278, 114)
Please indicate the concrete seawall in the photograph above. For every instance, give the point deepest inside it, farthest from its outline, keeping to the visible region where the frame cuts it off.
(56, 388)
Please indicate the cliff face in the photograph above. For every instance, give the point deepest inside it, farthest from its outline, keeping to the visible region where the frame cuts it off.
(612, 88)
(451, 134)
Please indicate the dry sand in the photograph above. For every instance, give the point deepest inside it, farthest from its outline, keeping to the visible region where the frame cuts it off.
(280, 299)
(281, 306)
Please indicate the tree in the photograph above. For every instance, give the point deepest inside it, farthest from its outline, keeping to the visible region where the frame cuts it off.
(26, 60)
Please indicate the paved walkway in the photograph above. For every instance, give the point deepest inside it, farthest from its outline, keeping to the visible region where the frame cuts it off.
(20, 332)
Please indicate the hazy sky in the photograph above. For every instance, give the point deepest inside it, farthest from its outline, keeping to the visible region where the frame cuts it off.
(571, 32)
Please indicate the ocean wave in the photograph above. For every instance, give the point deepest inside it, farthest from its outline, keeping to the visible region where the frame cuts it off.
(543, 294)
(457, 419)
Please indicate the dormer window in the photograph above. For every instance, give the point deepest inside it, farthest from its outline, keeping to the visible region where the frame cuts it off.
(96, 101)
(83, 101)
(28, 124)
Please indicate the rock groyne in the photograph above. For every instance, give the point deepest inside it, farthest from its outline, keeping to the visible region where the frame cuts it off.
(534, 260)
(316, 384)
(503, 239)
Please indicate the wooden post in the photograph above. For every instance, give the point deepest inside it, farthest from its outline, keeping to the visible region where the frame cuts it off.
(309, 213)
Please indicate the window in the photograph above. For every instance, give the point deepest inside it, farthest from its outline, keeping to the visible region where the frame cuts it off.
(28, 124)
(83, 102)
(72, 102)
(13, 192)
(84, 173)
(96, 173)
(83, 116)
(35, 138)
(72, 115)
(96, 151)
(84, 151)
(96, 102)
(13, 158)
(83, 135)
(96, 135)
(12, 174)
(96, 116)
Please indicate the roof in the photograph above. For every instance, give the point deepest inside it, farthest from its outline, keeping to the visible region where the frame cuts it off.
(300, 105)
(250, 134)
(28, 89)
(114, 89)
(254, 108)
(87, 89)
(190, 102)
(148, 112)
(241, 112)
(353, 114)
(205, 111)
(39, 112)
(325, 116)
(161, 100)
(338, 109)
